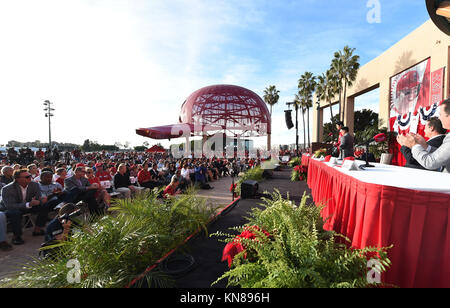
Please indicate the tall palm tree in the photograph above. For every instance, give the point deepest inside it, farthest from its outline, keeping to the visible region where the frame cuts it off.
(337, 67)
(271, 97)
(332, 82)
(306, 85)
(350, 69)
(322, 88)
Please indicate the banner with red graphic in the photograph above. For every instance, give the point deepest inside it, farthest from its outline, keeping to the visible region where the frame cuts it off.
(414, 99)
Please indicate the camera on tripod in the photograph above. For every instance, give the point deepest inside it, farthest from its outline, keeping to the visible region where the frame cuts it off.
(69, 216)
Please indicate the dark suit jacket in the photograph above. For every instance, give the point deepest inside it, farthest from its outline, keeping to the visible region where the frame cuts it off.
(71, 183)
(13, 199)
(407, 153)
(346, 145)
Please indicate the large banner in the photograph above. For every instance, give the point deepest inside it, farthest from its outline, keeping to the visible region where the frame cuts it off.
(410, 102)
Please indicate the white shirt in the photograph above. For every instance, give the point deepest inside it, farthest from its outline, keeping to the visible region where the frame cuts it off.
(24, 192)
(24, 195)
(185, 173)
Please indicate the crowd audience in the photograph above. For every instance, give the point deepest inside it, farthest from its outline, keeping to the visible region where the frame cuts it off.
(39, 184)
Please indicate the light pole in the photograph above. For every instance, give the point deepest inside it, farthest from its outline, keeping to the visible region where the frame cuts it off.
(48, 114)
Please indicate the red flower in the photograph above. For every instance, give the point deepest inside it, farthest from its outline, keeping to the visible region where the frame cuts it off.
(235, 247)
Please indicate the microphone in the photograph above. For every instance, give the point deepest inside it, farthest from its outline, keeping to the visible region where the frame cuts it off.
(377, 138)
(380, 138)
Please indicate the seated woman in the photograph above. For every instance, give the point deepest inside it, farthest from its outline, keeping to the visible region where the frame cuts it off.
(172, 188)
(101, 195)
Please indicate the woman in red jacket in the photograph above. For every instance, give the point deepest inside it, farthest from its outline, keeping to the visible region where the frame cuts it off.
(102, 194)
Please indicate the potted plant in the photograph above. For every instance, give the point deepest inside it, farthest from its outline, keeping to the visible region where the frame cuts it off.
(381, 149)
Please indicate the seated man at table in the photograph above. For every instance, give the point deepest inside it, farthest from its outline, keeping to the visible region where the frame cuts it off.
(429, 157)
(436, 134)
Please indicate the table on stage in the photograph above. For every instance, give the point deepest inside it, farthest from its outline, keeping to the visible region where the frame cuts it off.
(390, 205)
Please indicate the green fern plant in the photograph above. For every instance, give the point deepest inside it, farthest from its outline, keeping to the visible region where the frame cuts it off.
(299, 254)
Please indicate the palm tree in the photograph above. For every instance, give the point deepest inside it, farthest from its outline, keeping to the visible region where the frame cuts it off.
(337, 68)
(346, 66)
(271, 97)
(306, 85)
(332, 88)
(351, 67)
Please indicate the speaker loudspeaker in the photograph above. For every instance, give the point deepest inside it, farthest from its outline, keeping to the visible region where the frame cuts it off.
(249, 189)
(288, 118)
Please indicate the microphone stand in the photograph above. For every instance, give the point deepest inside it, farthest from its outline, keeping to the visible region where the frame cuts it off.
(367, 165)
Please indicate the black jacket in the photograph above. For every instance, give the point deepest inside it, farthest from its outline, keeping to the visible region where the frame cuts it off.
(410, 161)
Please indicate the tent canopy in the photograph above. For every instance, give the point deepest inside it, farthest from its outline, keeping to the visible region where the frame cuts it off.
(156, 149)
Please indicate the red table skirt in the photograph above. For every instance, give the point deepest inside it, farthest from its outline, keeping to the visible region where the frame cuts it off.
(305, 160)
(415, 222)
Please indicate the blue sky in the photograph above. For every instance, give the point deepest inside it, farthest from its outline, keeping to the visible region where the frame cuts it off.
(113, 66)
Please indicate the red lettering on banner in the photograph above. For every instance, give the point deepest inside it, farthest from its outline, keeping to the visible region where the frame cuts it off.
(437, 90)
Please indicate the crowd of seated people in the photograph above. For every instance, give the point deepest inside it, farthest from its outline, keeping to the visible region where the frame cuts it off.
(41, 186)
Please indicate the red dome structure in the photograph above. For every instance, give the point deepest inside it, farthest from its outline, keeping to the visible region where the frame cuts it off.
(227, 107)
(218, 107)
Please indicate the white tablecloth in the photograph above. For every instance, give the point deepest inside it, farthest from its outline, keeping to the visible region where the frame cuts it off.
(402, 177)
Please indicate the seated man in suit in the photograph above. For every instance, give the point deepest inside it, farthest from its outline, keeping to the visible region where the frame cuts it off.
(79, 188)
(21, 197)
(346, 143)
(436, 134)
(429, 157)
